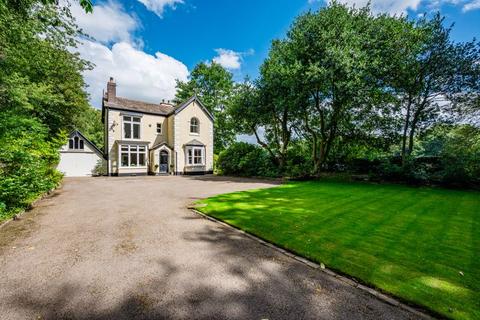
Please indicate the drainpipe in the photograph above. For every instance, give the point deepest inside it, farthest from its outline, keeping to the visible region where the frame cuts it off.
(176, 163)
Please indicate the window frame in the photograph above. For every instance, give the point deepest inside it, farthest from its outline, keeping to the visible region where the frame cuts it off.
(76, 143)
(197, 125)
(159, 124)
(131, 124)
(190, 159)
(137, 151)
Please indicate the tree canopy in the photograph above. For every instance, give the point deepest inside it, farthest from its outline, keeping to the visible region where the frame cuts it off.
(42, 97)
(349, 83)
(215, 88)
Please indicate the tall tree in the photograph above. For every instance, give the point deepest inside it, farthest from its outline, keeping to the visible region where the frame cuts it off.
(41, 95)
(215, 88)
(433, 75)
(335, 75)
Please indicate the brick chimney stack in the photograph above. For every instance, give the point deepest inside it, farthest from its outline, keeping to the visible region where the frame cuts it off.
(111, 90)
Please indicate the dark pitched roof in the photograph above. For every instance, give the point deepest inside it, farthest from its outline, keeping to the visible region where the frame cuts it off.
(186, 103)
(163, 109)
(77, 132)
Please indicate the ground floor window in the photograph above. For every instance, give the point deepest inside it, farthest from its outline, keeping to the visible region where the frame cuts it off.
(133, 155)
(195, 155)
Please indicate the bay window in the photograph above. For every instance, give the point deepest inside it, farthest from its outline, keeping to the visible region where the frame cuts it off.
(195, 155)
(131, 127)
(133, 155)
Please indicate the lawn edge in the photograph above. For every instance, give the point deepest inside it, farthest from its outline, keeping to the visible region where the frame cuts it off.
(387, 298)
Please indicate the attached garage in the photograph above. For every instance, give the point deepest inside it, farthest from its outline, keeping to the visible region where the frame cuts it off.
(79, 157)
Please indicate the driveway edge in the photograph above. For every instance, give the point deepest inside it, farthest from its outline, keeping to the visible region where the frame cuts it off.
(377, 294)
(32, 205)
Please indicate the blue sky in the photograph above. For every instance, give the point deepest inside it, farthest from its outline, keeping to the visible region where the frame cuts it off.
(147, 44)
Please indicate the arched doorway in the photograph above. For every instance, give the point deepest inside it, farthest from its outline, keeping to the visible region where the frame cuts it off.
(163, 161)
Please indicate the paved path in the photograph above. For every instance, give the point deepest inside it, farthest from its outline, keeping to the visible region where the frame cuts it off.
(123, 248)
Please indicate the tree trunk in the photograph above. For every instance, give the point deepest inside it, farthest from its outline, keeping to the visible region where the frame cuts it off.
(405, 130)
(265, 146)
(412, 130)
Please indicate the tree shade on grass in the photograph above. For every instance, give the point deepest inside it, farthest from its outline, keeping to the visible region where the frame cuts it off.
(420, 244)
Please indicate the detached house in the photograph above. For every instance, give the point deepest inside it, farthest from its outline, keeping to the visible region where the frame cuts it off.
(144, 138)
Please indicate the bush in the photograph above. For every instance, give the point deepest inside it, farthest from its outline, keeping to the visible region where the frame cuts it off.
(101, 168)
(27, 162)
(244, 159)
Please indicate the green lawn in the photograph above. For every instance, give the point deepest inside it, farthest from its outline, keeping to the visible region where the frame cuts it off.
(412, 242)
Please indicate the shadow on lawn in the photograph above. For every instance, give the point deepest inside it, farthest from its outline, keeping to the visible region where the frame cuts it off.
(215, 178)
(255, 282)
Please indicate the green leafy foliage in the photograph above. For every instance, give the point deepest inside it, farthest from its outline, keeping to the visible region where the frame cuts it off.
(346, 84)
(215, 88)
(244, 159)
(41, 97)
(27, 159)
(457, 149)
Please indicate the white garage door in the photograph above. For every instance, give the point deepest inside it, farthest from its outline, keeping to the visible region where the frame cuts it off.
(77, 164)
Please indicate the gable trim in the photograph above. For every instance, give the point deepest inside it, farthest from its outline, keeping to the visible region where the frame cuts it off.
(189, 101)
(95, 148)
(161, 145)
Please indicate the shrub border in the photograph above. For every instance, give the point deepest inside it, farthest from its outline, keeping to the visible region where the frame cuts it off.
(32, 205)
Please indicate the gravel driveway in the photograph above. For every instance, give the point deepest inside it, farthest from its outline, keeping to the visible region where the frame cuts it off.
(123, 248)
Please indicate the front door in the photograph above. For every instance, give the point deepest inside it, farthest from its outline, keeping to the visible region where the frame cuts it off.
(163, 161)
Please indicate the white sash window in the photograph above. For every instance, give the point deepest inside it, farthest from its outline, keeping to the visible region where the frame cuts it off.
(133, 156)
(195, 156)
(131, 127)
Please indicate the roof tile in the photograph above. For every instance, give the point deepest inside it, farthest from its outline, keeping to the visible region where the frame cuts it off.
(140, 106)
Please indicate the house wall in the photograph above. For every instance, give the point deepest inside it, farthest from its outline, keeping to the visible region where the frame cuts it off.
(182, 135)
(148, 132)
(175, 132)
(78, 163)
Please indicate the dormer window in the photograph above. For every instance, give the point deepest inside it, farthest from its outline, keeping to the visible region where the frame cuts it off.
(131, 127)
(194, 125)
(75, 143)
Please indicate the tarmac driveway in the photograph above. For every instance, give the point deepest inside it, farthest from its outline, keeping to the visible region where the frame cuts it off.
(123, 248)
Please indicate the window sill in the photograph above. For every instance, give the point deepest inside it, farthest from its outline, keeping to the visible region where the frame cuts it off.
(132, 167)
(194, 134)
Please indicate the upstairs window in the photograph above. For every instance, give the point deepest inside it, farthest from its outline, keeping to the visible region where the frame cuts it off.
(194, 125)
(159, 128)
(75, 143)
(131, 127)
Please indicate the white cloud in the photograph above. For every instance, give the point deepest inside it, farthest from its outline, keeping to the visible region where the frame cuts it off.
(473, 5)
(108, 22)
(230, 59)
(158, 6)
(388, 6)
(138, 75)
(402, 6)
(115, 52)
